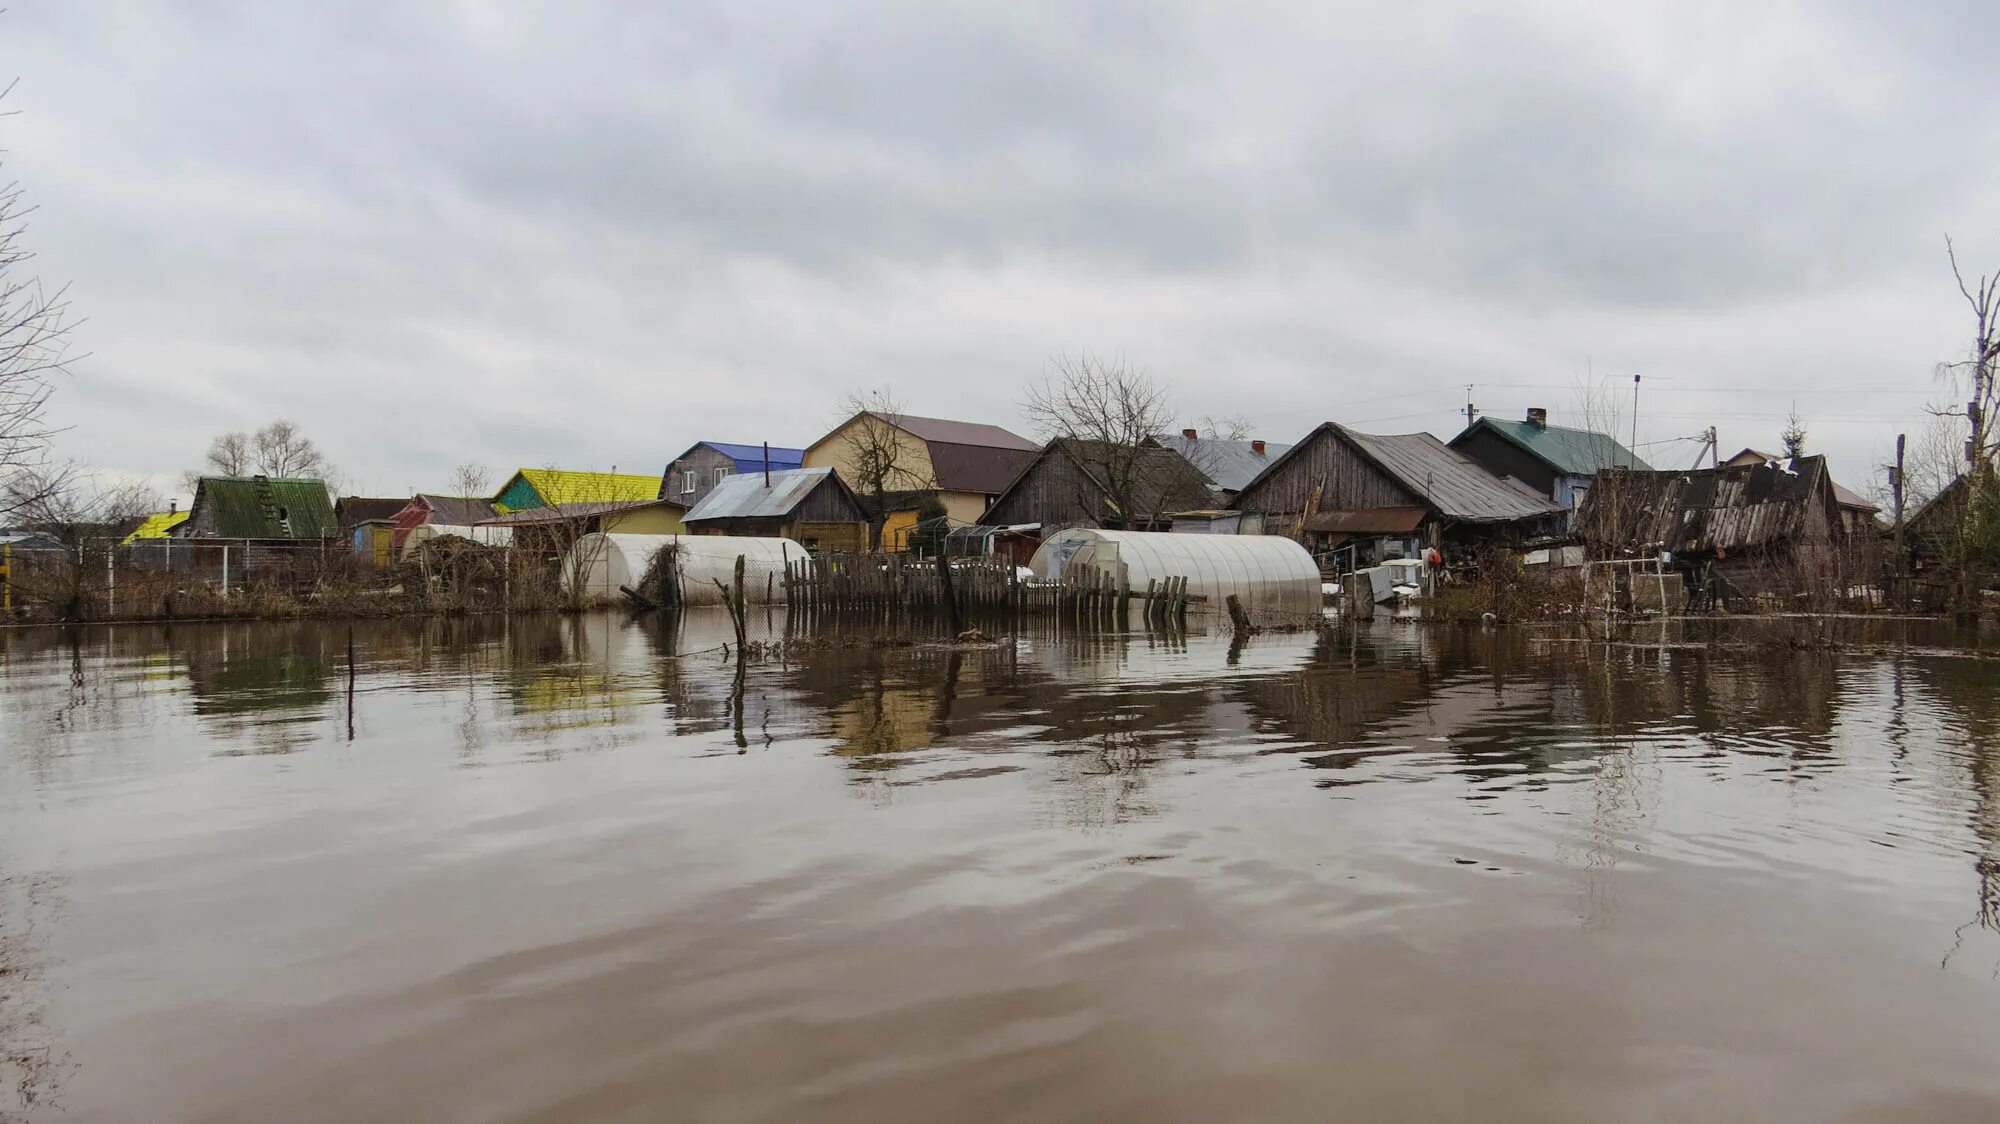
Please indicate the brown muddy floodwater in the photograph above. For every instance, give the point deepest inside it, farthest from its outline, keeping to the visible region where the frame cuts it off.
(529, 874)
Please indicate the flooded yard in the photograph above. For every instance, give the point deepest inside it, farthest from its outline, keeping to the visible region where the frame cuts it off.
(543, 869)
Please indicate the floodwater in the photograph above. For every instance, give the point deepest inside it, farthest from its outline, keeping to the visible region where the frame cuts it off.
(531, 870)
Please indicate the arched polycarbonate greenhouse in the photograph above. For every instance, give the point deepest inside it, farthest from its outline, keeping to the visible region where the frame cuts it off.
(1271, 576)
(601, 563)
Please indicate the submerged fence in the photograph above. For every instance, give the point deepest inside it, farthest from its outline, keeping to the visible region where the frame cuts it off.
(894, 586)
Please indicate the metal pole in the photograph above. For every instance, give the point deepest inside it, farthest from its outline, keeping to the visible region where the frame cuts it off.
(1635, 411)
(110, 582)
(225, 571)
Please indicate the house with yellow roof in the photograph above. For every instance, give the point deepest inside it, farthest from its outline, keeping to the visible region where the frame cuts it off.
(558, 487)
(158, 525)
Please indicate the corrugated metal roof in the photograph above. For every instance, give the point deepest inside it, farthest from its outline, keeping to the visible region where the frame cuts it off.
(156, 525)
(745, 496)
(458, 511)
(564, 486)
(355, 510)
(750, 458)
(1367, 521)
(1230, 465)
(1454, 485)
(961, 433)
(257, 507)
(1574, 452)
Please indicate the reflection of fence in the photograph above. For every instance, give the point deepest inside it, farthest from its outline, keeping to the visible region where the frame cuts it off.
(896, 585)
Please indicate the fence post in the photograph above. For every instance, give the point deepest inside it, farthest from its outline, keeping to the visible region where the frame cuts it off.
(110, 582)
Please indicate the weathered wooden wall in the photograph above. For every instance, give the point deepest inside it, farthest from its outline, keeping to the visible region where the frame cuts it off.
(1350, 482)
(702, 461)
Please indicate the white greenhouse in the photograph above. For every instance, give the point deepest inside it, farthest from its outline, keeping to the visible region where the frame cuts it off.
(601, 563)
(1270, 575)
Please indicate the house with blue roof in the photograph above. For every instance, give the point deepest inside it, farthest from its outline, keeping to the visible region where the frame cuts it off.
(691, 476)
(1555, 460)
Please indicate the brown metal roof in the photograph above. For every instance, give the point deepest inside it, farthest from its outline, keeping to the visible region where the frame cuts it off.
(355, 510)
(1367, 521)
(977, 468)
(941, 430)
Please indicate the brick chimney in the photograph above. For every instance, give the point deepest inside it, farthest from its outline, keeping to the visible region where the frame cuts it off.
(1189, 434)
(1538, 417)
(1257, 446)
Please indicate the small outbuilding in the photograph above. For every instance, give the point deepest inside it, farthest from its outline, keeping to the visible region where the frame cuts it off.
(1272, 577)
(811, 506)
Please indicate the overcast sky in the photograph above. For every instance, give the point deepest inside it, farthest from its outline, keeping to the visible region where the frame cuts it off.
(595, 233)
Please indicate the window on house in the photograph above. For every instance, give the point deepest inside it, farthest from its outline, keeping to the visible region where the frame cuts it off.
(687, 482)
(720, 473)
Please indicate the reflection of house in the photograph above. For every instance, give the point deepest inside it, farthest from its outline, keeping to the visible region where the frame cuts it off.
(1360, 497)
(1555, 460)
(556, 487)
(967, 464)
(809, 505)
(259, 508)
(1760, 525)
(694, 473)
(1229, 464)
(428, 516)
(1857, 513)
(1080, 483)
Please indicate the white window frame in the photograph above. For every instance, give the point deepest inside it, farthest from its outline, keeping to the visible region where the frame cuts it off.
(687, 482)
(721, 474)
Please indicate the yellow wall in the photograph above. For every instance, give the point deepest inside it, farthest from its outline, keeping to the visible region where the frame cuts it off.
(963, 507)
(836, 449)
(645, 521)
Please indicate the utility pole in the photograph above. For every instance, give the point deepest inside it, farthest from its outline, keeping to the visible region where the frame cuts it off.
(1635, 411)
(1714, 453)
(1469, 409)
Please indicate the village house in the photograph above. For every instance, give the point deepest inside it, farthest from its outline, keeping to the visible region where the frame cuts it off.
(428, 515)
(1858, 514)
(368, 525)
(692, 475)
(260, 509)
(1229, 463)
(158, 525)
(611, 517)
(812, 506)
(966, 464)
(1075, 482)
(556, 487)
(1357, 499)
(1555, 460)
(1739, 530)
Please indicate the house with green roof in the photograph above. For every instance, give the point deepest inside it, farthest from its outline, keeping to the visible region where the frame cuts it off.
(261, 508)
(1555, 460)
(558, 487)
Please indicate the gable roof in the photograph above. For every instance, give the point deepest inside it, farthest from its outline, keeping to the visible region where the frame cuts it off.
(745, 496)
(1450, 482)
(1572, 452)
(1169, 484)
(984, 469)
(564, 486)
(258, 507)
(355, 510)
(1734, 507)
(457, 511)
(156, 525)
(961, 433)
(750, 458)
(1229, 464)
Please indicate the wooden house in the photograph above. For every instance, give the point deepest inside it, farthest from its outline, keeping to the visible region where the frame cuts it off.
(368, 524)
(1858, 514)
(966, 464)
(1557, 461)
(692, 475)
(1078, 483)
(260, 509)
(810, 505)
(1356, 499)
(429, 515)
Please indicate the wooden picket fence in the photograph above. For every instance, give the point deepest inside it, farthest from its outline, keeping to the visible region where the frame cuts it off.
(896, 586)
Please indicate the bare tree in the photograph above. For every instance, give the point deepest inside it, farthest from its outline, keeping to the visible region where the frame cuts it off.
(279, 449)
(34, 348)
(230, 454)
(470, 481)
(86, 516)
(878, 457)
(1976, 373)
(1108, 414)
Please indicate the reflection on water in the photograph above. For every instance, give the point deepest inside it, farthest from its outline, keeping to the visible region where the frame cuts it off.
(559, 868)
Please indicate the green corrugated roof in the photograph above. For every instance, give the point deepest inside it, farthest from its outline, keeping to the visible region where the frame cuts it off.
(1575, 452)
(257, 507)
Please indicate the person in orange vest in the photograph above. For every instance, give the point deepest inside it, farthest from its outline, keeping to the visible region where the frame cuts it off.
(1434, 558)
